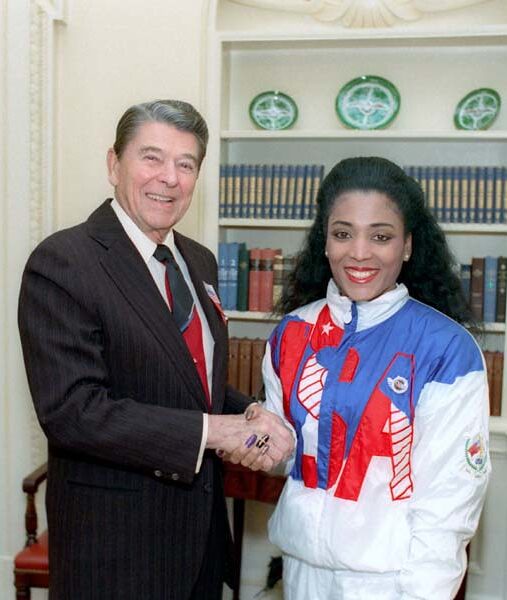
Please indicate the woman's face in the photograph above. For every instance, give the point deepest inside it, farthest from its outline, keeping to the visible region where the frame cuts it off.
(366, 244)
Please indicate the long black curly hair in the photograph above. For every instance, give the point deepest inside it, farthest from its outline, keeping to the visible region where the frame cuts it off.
(430, 274)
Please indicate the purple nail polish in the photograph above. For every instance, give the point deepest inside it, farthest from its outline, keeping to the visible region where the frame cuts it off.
(220, 452)
(251, 440)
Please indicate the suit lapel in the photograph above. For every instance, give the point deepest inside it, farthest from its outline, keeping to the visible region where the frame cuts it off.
(128, 271)
(199, 273)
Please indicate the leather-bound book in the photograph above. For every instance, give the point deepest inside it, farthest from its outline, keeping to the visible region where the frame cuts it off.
(266, 279)
(501, 289)
(254, 279)
(477, 288)
(232, 365)
(258, 349)
(245, 365)
(243, 273)
(497, 379)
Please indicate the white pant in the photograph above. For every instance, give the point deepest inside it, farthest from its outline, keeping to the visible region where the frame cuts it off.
(302, 581)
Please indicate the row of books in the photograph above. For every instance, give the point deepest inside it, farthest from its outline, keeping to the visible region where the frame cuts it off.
(269, 191)
(484, 282)
(245, 365)
(464, 194)
(251, 279)
(454, 194)
(494, 367)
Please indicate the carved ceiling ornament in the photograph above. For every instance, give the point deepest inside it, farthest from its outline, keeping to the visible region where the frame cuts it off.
(361, 13)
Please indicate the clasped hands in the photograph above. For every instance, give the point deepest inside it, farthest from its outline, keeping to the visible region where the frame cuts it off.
(257, 439)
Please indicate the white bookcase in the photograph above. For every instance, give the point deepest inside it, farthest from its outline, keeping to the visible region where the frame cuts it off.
(433, 63)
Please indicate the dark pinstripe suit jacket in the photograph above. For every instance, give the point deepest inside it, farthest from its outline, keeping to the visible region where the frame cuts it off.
(120, 401)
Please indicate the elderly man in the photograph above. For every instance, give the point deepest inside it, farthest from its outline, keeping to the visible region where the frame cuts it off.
(125, 345)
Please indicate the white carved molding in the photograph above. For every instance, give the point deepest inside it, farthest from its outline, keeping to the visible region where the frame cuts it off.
(362, 13)
(44, 14)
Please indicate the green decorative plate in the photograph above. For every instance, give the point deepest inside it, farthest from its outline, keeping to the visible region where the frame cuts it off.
(273, 110)
(368, 102)
(478, 109)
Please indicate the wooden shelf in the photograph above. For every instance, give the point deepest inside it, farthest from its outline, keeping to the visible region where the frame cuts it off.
(349, 134)
(239, 315)
(485, 35)
(464, 228)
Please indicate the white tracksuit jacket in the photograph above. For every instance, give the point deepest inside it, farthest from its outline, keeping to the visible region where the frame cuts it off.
(389, 403)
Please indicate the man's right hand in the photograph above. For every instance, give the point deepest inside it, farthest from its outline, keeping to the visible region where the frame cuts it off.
(258, 439)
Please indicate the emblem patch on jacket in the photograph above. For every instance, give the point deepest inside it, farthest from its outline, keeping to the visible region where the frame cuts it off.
(476, 454)
(210, 290)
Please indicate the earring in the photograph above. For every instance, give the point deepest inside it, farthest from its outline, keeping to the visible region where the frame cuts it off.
(326, 254)
(406, 257)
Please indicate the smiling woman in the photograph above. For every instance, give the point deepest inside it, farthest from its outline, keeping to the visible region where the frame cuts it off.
(366, 244)
(385, 394)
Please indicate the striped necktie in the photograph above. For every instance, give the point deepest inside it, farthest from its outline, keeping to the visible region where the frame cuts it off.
(184, 313)
(181, 300)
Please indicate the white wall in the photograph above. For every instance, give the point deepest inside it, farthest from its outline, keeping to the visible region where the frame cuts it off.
(55, 128)
(111, 54)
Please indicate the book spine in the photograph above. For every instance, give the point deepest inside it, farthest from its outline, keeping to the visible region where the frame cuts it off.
(448, 173)
(259, 191)
(307, 196)
(266, 279)
(222, 273)
(258, 350)
(229, 193)
(267, 195)
(254, 280)
(243, 272)
(465, 195)
(277, 276)
(282, 194)
(232, 278)
(503, 196)
(274, 204)
(490, 282)
(464, 275)
(439, 193)
(236, 201)
(501, 289)
(318, 176)
(291, 192)
(477, 288)
(222, 188)
(497, 384)
(431, 200)
(489, 357)
(245, 191)
(252, 191)
(297, 211)
(245, 366)
(456, 195)
(480, 193)
(489, 191)
(423, 182)
(232, 365)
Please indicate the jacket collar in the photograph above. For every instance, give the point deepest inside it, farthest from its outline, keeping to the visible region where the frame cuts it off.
(362, 315)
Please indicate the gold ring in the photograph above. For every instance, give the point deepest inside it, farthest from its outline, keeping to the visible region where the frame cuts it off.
(262, 441)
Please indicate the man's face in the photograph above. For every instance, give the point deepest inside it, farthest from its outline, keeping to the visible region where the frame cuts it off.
(155, 177)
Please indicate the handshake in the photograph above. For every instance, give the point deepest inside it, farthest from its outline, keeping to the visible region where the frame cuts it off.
(257, 439)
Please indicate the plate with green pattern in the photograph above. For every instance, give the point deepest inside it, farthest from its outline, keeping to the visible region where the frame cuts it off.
(478, 109)
(368, 102)
(273, 110)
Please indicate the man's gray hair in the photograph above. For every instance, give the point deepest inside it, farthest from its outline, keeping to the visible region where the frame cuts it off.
(176, 113)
